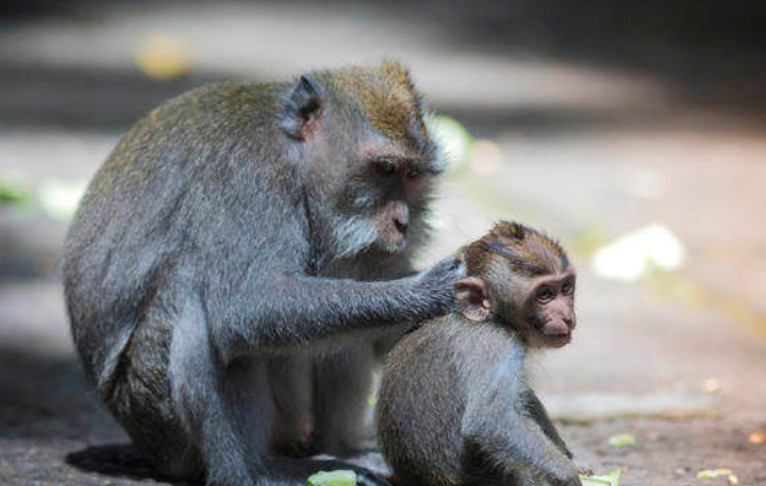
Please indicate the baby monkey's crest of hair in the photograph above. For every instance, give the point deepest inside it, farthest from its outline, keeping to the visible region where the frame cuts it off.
(527, 250)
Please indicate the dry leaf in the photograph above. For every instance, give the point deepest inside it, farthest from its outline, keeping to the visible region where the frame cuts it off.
(163, 57)
(712, 385)
(716, 473)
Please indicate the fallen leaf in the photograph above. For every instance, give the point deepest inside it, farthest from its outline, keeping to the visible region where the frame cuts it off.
(339, 477)
(13, 191)
(608, 479)
(757, 438)
(60, 199)
(162, 57)
(716, 473)
(711, 385)
(622, 440)
(634, 255)
(454, 138)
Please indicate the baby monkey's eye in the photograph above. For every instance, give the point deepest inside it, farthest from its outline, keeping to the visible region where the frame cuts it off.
(567, 288)
(544, 294)
(413, 172)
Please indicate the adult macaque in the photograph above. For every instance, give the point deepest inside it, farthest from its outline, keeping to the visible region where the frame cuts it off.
(455, 406)
(236, 259)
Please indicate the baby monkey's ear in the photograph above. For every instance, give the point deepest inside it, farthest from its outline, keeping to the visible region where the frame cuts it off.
(472, 299)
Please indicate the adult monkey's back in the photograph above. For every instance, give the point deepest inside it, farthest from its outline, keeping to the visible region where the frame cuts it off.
(235, 259)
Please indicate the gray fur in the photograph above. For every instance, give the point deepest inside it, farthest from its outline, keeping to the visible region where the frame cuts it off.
(455, 405)
(455, 409)
(205, 277)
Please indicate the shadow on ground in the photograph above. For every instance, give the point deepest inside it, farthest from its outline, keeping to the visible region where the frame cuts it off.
(45, 399)
(115, 460)
(42, 396)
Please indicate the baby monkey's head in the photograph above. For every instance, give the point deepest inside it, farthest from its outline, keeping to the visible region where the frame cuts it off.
(520, 278)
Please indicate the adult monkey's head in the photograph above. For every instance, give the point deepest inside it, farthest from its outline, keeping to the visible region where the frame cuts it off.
(366, 152)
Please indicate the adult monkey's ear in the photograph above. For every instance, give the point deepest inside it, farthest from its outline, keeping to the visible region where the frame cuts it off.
(472, 299)
(300, 114)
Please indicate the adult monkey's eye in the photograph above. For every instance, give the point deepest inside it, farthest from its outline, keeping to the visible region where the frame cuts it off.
(385, 167)
(413, 172)
(544, 294)
(567, 287)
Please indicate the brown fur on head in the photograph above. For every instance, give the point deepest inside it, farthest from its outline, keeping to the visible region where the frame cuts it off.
(528, 251)
(367, 149)
(387, 98)
(519, 277)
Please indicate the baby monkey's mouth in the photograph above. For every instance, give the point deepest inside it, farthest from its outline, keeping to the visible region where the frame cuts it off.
(558, 340)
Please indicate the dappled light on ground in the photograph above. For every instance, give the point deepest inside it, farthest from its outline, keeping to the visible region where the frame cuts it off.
(634, 255)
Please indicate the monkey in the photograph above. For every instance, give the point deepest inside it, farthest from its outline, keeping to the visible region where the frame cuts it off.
(455, 404)
(238, 257)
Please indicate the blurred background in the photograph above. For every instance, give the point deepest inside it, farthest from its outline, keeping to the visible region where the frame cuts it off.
(634, 131)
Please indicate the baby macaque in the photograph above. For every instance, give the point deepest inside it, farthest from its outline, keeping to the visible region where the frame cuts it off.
(455, 405)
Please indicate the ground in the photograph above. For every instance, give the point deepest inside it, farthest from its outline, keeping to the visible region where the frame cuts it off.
(649, 120)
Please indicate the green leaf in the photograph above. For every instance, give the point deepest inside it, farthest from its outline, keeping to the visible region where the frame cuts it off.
(608, 479)
(622, 440)
(60, 199)
(339, 477)
(454, 139)
(14, 192)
